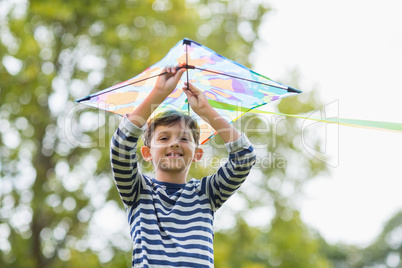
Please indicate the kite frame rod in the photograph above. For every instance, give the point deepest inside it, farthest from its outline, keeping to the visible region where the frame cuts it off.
(289, 89)
(131, 83)
(188, 107)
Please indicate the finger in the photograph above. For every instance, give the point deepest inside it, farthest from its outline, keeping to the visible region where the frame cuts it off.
(187, 92)
(168, 69)
(195, 90)
(181, 65)
(177, 73)
(187, 86)
(181, 71)
(180, 68)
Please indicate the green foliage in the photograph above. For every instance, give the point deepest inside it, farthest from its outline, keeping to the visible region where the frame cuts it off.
(287, 243)
(293, 245)
(386, 250)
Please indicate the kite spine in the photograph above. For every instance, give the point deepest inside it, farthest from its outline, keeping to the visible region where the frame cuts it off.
(186, 43)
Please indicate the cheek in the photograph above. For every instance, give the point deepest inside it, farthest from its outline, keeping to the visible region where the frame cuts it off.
(157, 152)
(191, 149)
(157, 147)
(187, 145)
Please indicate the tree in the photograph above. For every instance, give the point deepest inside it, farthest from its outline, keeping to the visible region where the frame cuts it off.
(386, 250)
(54, 167)
(287, 243)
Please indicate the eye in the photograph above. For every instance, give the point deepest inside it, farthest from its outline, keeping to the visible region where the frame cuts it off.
(185, 139)
(163, 138)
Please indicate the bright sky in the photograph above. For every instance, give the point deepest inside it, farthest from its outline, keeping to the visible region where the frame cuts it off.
(351, 52)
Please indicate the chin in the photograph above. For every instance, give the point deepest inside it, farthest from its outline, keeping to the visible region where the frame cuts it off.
(174, 169)
(178, 165)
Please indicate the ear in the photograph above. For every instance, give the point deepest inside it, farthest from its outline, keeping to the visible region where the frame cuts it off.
(146, 153)
(198, 154)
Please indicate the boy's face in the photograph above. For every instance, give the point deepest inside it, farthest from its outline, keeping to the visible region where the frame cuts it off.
(172, 148)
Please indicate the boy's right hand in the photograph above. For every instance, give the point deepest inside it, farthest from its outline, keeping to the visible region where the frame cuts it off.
(167, 82)
(165, 85)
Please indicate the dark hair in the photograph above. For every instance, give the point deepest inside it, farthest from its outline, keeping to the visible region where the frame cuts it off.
(167, 118)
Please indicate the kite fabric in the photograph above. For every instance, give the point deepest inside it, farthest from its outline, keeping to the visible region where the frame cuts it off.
(231, 89)
(225, 83)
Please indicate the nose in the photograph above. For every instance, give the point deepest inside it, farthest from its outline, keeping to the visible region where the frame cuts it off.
(174, 143)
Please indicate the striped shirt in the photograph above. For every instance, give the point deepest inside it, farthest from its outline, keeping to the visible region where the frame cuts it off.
(172, 224)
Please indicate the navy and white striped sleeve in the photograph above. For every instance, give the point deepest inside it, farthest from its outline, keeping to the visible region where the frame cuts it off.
(123, 158)
(229, 177)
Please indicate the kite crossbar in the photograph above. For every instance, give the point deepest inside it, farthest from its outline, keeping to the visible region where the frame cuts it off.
(131, 83)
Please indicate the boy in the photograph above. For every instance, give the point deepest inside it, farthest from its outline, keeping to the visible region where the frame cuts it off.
(171, 221)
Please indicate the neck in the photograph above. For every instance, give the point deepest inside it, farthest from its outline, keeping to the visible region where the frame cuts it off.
(171, 177)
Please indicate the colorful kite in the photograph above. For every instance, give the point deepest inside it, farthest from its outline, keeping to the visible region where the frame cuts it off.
(231, 88)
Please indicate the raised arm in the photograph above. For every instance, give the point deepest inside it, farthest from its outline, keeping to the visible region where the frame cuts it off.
(164, 86)
(199, 103)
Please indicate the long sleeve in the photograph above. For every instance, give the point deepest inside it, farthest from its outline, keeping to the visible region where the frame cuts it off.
(225, 182)
(124, 161)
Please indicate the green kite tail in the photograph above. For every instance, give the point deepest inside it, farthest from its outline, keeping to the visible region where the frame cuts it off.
(378, 125)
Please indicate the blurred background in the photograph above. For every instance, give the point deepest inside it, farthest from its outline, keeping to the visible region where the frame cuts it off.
(58, 203)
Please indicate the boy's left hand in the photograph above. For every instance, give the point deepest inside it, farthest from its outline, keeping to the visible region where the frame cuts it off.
(197, 99)
(199, 103)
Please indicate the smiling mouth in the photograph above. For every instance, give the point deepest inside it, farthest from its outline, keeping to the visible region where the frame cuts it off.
(174, 155)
